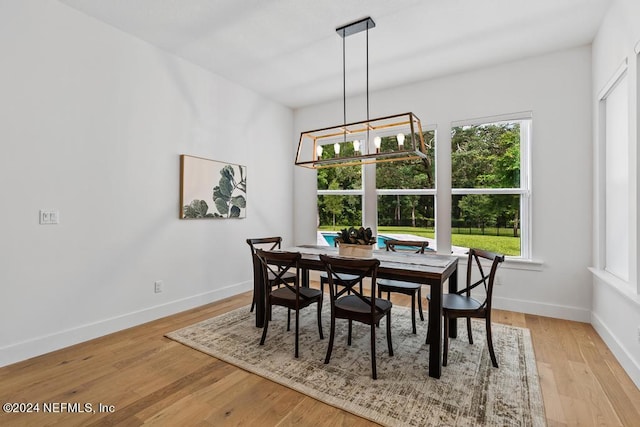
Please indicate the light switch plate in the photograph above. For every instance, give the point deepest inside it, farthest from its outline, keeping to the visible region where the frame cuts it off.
(49, 216)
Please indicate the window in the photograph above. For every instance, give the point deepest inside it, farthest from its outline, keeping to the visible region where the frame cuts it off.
(490, 192)
(339, 195)
(490, 186)
(616, 178)
(406, 193)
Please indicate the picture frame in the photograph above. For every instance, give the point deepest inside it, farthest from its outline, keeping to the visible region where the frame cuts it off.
(211, 189)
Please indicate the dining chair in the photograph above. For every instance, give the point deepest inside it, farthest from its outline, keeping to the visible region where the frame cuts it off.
(290, 295)
(406, 288)
(461, 305)
(348, 302)
(268, 243)
(324, 277)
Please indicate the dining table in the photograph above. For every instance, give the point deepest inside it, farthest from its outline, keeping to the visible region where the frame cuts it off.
(432, 270)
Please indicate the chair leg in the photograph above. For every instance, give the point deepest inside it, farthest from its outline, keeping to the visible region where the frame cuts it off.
(297, 330)
(494, 361)
(389, 334)
(469, 330)
(253, 304)
(413, 312)
(445, 345)
(320, 317)
(420, 304)
(374, 374)
(349, 335)
(266, 325)
(428, 339)
(331, 335)
(288, 319)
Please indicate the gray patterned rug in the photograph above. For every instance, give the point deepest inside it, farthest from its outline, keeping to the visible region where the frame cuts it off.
(470, 392)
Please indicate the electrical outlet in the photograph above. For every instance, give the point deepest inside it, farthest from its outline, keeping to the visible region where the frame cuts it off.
(157, 286)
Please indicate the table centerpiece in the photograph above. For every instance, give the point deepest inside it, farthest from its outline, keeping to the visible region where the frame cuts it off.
(356, 242)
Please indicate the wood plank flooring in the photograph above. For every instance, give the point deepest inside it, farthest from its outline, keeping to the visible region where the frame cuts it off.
(150, 379)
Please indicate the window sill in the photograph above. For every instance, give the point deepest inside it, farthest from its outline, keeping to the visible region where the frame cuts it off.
(511, 263)
(619, 285)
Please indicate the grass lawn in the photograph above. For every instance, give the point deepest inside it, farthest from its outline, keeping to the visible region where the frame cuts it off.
(507, 245)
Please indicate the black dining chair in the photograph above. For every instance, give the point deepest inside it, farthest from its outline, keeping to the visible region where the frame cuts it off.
(406, 288)
(461, 305)
(347, 302)
(324, 277)
(265, 243)
(290, 295)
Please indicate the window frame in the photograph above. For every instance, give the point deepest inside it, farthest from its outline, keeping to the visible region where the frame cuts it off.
(526, 135)
(525, 120)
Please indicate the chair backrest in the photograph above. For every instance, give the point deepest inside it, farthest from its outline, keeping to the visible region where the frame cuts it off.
(345, 273)
(486, 279)
(406, 245)
(268, 243)
(278, 263)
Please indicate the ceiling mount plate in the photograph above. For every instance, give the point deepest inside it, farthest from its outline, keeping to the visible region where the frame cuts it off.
(355, 27)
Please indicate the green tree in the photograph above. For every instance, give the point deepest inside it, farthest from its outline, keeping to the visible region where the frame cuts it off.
(478, 209)
(333, 204)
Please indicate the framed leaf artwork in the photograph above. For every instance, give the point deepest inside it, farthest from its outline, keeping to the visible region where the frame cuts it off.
(212, 189)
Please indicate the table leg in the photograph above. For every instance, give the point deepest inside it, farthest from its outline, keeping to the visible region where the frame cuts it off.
(435, 327)
(453, 287)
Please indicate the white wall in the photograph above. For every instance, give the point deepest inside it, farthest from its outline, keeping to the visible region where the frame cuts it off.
(92, 123)
(616, 304)
(557, 89)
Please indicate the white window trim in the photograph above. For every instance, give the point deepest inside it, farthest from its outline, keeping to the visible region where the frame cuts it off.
(348, 192)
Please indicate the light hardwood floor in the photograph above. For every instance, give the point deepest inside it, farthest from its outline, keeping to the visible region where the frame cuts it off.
(150, 379)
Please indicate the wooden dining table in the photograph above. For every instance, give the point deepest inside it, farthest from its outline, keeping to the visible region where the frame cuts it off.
(432, 270)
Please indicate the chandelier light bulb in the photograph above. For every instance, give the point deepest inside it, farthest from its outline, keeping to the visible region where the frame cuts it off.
(400, 138)
(319, 150)
(377, 141)
(356, 145)
(336, 148)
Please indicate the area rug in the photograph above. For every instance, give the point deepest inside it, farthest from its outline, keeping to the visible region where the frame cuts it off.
(470, 391)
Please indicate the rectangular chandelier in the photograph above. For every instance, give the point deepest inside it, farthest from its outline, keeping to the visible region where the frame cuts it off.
(384, 139)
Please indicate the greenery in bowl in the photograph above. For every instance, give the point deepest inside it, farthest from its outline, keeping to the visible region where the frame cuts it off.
(356, 236)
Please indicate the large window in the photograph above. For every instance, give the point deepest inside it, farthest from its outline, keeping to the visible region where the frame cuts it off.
(406, 193)
(490, 190)
(339, 194)
(616, 179)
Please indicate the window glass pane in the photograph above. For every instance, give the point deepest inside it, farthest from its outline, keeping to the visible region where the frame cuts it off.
(339, 211)
(617, 181)
(419, 173)
(410, 215)
(486, 156)
(340, 178)
(486, 221)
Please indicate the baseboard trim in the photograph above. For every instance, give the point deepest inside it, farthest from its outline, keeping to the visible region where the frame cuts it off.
(24, 350)
(631, 366)
(543, 309)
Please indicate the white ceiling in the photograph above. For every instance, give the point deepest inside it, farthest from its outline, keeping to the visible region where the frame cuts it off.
(289, 51)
